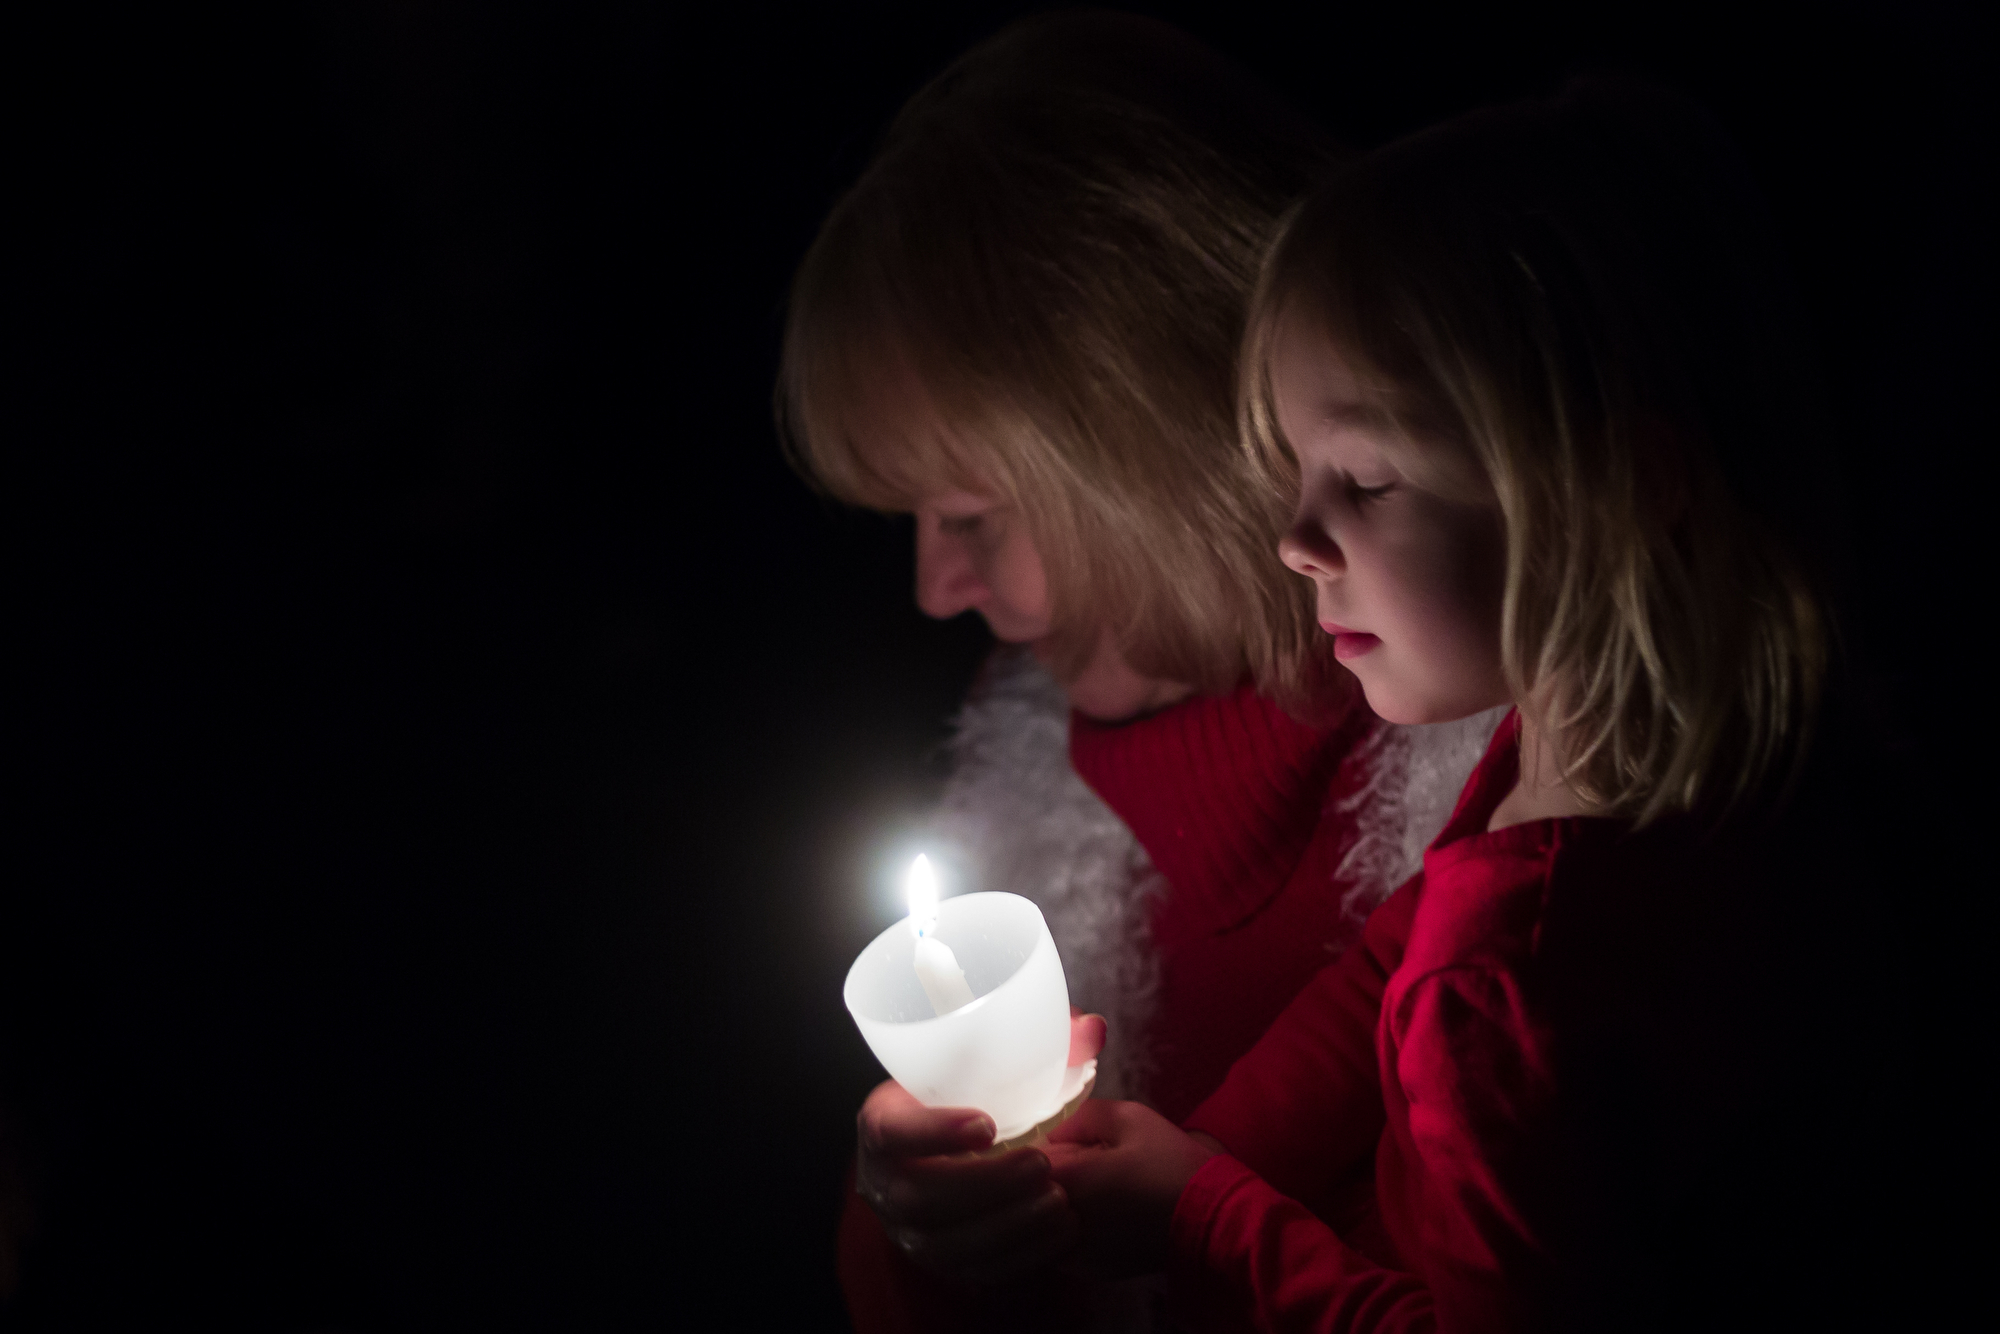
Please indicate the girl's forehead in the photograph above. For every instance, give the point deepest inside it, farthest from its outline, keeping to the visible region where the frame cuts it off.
(1307, 357)
(1319, 385)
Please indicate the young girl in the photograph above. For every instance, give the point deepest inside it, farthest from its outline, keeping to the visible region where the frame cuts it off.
(1528, 382)
(1021, 326)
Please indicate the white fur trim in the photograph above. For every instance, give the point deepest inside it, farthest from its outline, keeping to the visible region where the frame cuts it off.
(1415, 775)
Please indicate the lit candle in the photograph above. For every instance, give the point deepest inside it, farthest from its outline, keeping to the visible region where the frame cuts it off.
(937, 967)
(1007, 1054)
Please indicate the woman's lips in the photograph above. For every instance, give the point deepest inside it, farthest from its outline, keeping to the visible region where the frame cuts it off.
(1350, 643)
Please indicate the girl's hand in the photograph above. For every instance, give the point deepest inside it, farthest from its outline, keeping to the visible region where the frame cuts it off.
(1124, 1166)
(981, 1219)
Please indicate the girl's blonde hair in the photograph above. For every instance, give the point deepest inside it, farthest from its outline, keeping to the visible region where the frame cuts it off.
(1056, 242)
(1576, 311)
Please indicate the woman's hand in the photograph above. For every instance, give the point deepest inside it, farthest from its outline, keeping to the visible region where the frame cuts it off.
(981, 1219)
(1123, 1166)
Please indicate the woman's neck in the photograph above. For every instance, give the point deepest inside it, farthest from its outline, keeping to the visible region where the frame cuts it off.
(1110, 690)
(1540, 792)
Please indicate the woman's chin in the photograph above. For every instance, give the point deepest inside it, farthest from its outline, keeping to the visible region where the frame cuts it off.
(1104, 703)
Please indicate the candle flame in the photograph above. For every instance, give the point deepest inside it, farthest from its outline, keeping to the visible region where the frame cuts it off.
(923, 888)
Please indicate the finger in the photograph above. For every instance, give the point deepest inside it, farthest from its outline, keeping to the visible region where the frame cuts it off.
(1097, 1121)
(1086, 1171)
(1086, 1037)
(894, 1124)
(1066, 1160)
(942, 1192)
(1010, 1242)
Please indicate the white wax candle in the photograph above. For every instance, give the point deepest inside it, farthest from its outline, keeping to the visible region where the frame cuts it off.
(937, 967)
(943, 979)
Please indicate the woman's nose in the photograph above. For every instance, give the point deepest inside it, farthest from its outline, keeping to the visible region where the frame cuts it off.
(1310, 550)
(948, 581)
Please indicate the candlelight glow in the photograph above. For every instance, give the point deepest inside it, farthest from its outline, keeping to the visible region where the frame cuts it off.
(1003, 1049)
(923, 889)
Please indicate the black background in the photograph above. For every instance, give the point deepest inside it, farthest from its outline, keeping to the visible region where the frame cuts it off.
(454, 761)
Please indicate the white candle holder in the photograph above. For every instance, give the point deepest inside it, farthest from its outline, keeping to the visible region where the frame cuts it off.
(1006, 1053)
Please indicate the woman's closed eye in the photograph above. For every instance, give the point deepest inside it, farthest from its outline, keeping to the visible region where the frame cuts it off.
(966, 526)
(1359, 493)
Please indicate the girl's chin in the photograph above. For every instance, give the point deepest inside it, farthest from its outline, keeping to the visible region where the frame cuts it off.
(1390, 704)
(1400, 707)
(1391, 713)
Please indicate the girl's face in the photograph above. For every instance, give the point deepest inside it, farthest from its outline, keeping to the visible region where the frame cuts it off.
(1409, 581)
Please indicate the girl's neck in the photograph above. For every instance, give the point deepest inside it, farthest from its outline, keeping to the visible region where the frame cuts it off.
(1540, 792)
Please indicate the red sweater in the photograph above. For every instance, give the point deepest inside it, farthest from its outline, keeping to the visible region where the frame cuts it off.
(1546, 1040)
(1237, 805)
(1240, 809)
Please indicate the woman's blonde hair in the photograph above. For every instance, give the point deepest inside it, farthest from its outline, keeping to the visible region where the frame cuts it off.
(1576, 308)
(1056, 242)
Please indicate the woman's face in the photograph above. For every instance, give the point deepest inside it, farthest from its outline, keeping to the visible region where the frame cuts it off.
(974, 553)
(1409, 581)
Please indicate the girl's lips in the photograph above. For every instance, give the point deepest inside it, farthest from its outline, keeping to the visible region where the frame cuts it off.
(1350, 643)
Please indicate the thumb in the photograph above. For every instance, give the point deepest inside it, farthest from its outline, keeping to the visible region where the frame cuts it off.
(1095, 1122)
(895, 1124)
(1086, 1037)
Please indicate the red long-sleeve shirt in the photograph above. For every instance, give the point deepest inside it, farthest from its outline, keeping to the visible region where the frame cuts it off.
(1548, 1041)
(1242, 810)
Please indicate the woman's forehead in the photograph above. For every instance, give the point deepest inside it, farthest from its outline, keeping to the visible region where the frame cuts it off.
(914, 451)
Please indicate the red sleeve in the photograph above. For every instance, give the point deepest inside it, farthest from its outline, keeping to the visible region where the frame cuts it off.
(1287, 1267)
(1472, 1073)
(887, 1294)
(1303, 1107)
(1473, 1069)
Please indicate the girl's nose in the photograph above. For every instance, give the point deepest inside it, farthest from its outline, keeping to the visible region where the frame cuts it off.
(948, 581)
(1309, 549)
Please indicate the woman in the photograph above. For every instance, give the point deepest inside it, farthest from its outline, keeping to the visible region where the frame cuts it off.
(1020, 326)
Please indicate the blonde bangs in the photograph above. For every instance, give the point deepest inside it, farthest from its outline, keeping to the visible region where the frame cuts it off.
(1056, 264)
(846, 347)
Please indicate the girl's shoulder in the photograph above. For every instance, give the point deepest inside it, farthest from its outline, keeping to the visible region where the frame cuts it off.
(1485, 894)
(1574, 896)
